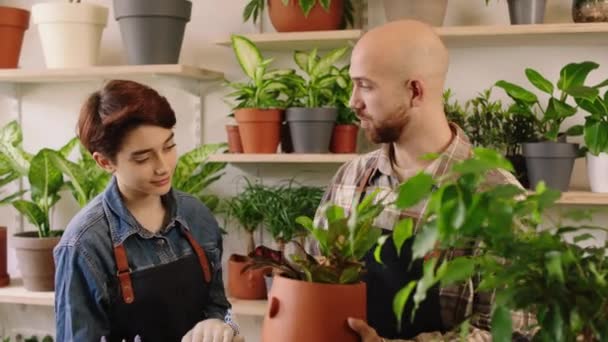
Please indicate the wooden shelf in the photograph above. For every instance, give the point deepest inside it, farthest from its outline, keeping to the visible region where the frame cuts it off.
(583, 198)
(248, 307)
(288, 41)
(107, 72)
(252, 158)
(15, 293)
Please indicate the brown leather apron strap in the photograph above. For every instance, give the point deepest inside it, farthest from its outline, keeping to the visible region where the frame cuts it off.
(124, 274)
(202, 257)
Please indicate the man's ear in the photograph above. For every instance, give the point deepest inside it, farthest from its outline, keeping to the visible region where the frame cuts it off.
(104, 162)
(416, 92)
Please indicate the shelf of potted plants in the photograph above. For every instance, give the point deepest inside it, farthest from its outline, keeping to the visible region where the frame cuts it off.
(277, 158)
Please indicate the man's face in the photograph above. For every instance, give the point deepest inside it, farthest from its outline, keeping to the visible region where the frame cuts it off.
(379, 99)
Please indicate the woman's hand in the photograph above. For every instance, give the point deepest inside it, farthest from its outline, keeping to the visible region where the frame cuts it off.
(211, 330)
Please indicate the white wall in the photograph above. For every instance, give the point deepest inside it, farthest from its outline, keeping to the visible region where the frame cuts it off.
(49, 111)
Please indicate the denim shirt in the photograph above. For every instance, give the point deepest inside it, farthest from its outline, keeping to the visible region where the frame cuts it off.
(86, 268)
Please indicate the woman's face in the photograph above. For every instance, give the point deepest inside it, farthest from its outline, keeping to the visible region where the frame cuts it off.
(145, 163)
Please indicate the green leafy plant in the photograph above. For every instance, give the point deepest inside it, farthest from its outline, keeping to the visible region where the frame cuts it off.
(570, 84)
(244, 209)
(86, 179)
(562, 282)
(343, 88)
(322, 78)
(254, 9)
(13, 160)
(343, 245)
(519, 125)
(454, 111)
(194, 173)
(265, 87)
(595, 131)
(485, 122)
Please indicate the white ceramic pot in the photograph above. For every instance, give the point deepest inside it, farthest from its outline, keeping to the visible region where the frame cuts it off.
(429, 11)
(597, 168)
(70, 33)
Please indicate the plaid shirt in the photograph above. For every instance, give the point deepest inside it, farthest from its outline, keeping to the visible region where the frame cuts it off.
(456, 301)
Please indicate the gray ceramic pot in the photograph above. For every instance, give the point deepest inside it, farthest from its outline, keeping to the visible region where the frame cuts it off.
(311, 128)
(551, 162)
(152, 30)
(527, 11)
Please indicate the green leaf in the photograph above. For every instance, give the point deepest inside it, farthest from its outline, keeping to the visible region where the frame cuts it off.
(378, 249)
(557, 109)
(301, 59)
(414, 190)
(501, 324)
(539, 81)
(596, 136)
(75, 174)
(554, 266)
(325, 63)
(458, 270)
(424, 284)
(306, 222)
(67, 149)
(44, 177)
(517, 93)
(575, 130)
(325, 4)
(312, 60)
(425, 241)
(334, 213)
(307, 6)
(248, 55)
(583, 237)
(33, 213)
(575, 74)
(582, 92)
(400, 300)
(401, 232)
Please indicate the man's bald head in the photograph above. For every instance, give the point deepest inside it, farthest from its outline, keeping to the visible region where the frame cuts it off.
(405, 49)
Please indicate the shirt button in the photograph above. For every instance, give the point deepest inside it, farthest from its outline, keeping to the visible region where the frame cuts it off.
(160, 242)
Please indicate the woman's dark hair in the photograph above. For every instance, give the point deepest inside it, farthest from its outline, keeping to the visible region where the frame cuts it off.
(110, 114)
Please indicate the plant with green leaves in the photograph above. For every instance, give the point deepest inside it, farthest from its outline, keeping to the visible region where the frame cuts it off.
(194, 173)
(343, 245)
(454, 111)
(14, 161)
(244, 209)
(571, 83)
(254, 9)
(519, 125)
(86, 179)
(342, 91)
(562, 282)
(322, 78)
(265, 88)
(595, 131)
(485, 122)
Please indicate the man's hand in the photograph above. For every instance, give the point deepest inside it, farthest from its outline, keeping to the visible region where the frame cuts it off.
(211, 330)
(367, 333)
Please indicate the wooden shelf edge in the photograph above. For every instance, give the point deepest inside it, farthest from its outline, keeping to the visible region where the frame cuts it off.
(250, 158)
(15, 293)
(583, 198)
(248, 307)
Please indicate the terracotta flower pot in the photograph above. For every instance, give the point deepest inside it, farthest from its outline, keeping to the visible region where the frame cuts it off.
(4, 278)
(13, 23)
(260, 129)
(344, 139)
(234, 139)
(247, 285)
(304, 311)
(291, 18)
(35, 259)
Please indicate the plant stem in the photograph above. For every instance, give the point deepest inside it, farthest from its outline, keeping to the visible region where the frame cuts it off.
(281, 245)
(250, 242)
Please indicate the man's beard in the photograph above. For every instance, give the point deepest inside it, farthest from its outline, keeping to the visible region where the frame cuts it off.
(389, 130)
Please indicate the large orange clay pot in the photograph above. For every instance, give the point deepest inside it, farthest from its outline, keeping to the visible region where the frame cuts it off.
(247, 285)
(304, 311)
(13, 23)
(234, 139)
(291, 18)
(4, 278)
(260, 129)
(344, 139)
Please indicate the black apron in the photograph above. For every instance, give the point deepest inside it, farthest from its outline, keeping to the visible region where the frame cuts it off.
(385, 280)
(161, 303)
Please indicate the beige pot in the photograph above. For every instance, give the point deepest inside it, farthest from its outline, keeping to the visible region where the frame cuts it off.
(35, 260)
(429, 11)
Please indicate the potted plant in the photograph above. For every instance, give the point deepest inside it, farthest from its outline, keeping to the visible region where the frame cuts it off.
(259, 109)
(454, 111)
(152, 30)
(323, 292)
(13, 23)
(70, 32)
(595, 133)
(344, 136)
(526, 12)
(303, 15)
(234, 137)
(552, 160)
(243, 208)
(519, 126)
(562, 282)
(430, 11)
(584, 11)
(312, 112)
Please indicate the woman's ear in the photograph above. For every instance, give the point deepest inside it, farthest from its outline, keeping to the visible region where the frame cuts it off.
(104, 162)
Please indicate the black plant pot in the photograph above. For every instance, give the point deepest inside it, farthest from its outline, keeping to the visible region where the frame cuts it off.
(551, 162)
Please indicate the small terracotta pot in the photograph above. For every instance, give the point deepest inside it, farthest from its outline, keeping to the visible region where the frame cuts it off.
(13, 23)
(344, 139)
(291, 18)
(305, 311)
(4, 278)
(260, 129)
(247, 285)
(234, 139)
(35, 259)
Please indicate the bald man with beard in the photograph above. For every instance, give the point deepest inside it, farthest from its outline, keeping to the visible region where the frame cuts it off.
(399, 72)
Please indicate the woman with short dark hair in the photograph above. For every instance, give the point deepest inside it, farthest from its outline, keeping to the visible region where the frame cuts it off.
(141, 260)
